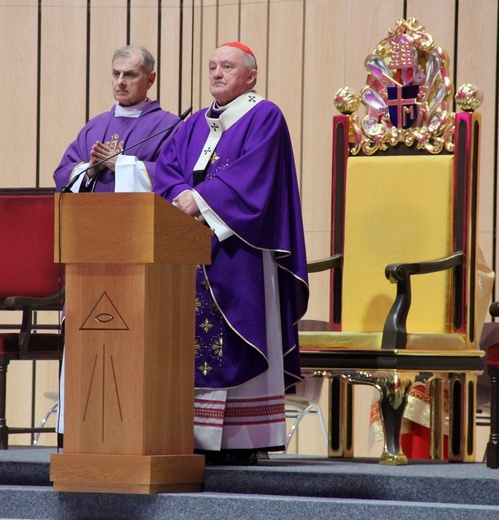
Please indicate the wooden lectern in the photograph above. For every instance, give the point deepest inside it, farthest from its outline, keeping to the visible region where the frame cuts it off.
(130, 291)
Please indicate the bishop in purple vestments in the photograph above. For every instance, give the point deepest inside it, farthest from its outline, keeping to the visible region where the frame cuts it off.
(232, 167)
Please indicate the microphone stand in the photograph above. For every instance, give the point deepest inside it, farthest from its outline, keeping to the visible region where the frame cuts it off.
(67, 188)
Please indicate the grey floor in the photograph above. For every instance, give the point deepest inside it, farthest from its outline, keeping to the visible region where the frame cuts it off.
(279, 487)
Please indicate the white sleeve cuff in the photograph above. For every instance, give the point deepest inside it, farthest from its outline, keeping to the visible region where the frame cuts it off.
(222, 231)
(78, 172)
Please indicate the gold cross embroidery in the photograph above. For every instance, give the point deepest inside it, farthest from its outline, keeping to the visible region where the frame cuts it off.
(214, 158)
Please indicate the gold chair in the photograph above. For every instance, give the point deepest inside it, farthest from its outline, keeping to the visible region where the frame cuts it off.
(405, 188)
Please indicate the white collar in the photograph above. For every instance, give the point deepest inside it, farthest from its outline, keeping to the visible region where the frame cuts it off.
(232, 112)
(133, 111)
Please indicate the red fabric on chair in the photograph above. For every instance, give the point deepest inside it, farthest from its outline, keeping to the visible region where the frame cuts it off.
(416, 443)
(27, 226)
(30, 282)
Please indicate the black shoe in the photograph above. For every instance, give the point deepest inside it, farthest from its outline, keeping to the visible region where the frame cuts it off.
(229, 457)
(211, 458)
(239, 457)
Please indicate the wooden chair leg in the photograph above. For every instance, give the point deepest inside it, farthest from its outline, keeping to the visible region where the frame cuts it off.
(4, 429)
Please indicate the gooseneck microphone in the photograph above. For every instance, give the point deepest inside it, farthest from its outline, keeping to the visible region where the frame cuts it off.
(67, 188)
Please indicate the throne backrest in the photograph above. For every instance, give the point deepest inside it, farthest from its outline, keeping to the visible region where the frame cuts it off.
(397, 209)
(27, 244)
(405, 184)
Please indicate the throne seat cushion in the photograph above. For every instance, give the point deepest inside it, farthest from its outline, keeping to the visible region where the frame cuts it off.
(372, 341)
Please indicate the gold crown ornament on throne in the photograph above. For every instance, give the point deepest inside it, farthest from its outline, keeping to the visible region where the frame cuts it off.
(407, 95)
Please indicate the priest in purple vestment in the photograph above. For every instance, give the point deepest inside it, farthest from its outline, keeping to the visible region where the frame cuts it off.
(92, 163)
(231, 166)
(92, 160)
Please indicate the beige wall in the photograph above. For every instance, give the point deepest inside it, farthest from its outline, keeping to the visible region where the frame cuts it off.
(55, 64)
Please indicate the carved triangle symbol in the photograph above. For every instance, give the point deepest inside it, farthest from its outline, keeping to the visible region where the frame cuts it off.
(104, 316)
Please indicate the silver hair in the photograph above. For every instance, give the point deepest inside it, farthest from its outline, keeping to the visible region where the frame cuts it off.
(251, 61)
(251, 64)
(146, 58)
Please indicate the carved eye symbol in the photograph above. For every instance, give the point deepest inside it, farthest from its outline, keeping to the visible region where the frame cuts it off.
(104, 317)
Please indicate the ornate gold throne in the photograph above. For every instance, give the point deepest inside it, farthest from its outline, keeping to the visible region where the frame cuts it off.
(407, 299)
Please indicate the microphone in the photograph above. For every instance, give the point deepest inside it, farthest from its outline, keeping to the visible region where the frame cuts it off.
(67, 188)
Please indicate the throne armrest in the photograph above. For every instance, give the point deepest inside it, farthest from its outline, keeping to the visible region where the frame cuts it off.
(52, 302)
(28, 304)
(325, 264)
(394, 331)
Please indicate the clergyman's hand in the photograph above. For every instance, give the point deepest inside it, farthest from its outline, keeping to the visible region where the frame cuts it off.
(101, 152)
(186, 202)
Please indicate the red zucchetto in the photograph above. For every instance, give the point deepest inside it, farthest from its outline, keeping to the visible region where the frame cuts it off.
(238, 45)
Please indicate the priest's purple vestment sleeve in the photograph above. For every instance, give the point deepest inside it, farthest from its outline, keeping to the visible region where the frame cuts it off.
(119, 133)
(251, 186)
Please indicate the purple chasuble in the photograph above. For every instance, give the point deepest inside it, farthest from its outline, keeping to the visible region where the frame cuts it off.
(119, 133)
(251, 186)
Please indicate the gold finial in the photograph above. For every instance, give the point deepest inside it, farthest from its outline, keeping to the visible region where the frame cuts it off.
(469, 97)
(346, 101)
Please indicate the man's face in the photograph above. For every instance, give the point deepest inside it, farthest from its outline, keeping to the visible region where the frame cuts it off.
(229, 74)
(130, 82)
